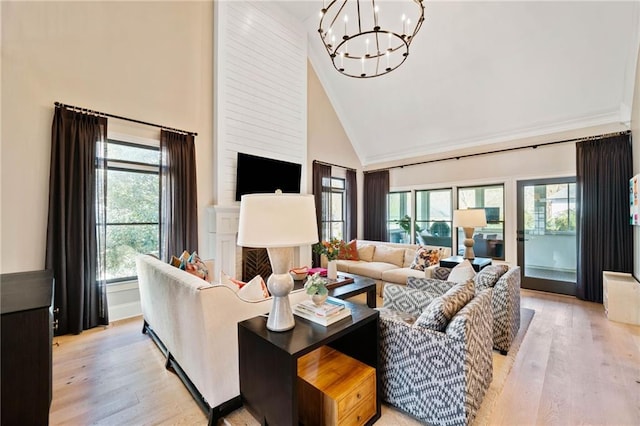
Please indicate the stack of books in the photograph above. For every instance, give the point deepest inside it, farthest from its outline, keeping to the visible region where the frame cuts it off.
(327, 313)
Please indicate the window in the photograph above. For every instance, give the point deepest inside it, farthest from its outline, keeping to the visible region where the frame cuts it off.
(551, 209)
(434, 217)
(488, 241)
(398, 219)
(132, 219)
(333, 208)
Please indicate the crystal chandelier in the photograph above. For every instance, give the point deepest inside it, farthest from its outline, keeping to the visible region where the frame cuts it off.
(367, 38)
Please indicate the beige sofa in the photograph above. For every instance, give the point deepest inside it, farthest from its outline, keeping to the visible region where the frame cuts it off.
(195, 324)
(386, 262)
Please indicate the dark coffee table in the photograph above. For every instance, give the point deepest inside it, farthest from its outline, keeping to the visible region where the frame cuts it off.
(358, 286)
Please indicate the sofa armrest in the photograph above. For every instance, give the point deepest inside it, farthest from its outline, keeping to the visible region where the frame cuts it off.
(404, 299)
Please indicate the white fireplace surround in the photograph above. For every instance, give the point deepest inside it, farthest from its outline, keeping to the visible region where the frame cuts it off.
(222, 236)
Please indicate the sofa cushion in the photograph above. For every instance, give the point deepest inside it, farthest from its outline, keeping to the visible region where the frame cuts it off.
(489, 276)
(370, 269)
(424, 258)
(388, 254)
(349, 251)
(462, 272)
(437, 315)
(365, 252)
(409, 256)
(400, 275)
(254, 290)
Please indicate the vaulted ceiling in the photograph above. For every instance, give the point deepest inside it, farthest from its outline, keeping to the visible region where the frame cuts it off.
(483, 72)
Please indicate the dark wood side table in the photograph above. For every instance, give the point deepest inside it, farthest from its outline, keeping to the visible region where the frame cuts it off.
(269, 360)
(479, 263)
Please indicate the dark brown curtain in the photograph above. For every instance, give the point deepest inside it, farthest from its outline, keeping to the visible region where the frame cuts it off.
(352, 205)
(178, 195)
(605, 242)
(376, 189)
(75, 247)
(320, 172)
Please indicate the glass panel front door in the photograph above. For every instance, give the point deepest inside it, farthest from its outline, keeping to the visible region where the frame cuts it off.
(547, 234)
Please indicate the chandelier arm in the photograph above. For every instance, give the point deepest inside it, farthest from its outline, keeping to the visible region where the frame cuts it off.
(375, 15)
(339, 10)
(359, 22)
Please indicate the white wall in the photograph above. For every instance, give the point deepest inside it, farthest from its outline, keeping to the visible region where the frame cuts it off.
(149, 61)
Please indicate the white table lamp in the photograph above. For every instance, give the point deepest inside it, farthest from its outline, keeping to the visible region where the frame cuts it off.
(278, 222)
(469, 220)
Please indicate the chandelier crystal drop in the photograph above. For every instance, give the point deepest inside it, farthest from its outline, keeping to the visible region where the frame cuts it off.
(369, 38)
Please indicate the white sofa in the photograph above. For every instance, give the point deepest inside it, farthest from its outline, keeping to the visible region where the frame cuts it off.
(194, 323)
(389, 264)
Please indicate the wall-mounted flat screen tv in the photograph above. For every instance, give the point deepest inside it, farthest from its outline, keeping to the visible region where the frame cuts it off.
(261, 175)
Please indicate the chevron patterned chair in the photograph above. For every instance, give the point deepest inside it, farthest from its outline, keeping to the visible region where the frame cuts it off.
(505, 303)
(435, 352)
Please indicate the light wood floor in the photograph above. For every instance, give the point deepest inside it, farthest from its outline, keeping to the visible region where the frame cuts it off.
(574, 367)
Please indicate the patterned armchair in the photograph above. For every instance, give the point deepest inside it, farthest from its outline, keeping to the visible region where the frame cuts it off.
(438, 376)
(505, 303)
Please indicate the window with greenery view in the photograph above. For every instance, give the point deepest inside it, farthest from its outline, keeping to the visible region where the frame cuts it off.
(488, 241)
(132, 220)
(434, 216)
(398, 218)
(333, 208)
(550, 209)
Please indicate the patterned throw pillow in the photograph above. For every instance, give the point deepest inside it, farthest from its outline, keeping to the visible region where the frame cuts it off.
(192, 264)
(424, 258)
(255, 290)
(437, 315)
(349, 251)
(231, 282)
(489, 276)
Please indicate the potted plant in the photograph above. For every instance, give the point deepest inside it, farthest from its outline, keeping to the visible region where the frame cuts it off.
(331, 249)
(316, 287)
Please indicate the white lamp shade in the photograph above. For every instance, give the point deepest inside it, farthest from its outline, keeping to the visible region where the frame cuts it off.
(277, 220)
(469, 218)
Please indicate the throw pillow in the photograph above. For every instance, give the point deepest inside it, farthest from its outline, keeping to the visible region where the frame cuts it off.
(365, 252)
(349, 251)
(424, 258)
(231, 282)
(388, 254)
(194, 265)
(462, 272)
(255, 290)
(437, 315)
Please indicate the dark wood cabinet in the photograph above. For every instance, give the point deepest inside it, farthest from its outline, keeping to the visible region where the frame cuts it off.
(25, 341)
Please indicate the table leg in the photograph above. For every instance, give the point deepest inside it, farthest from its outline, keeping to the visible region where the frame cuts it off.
(371, 298)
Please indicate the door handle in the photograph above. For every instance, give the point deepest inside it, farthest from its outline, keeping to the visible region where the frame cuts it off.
(522, 239)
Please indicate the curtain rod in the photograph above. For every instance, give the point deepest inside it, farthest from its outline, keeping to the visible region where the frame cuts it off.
(59, 104)
(334, 165)
(534, 146)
